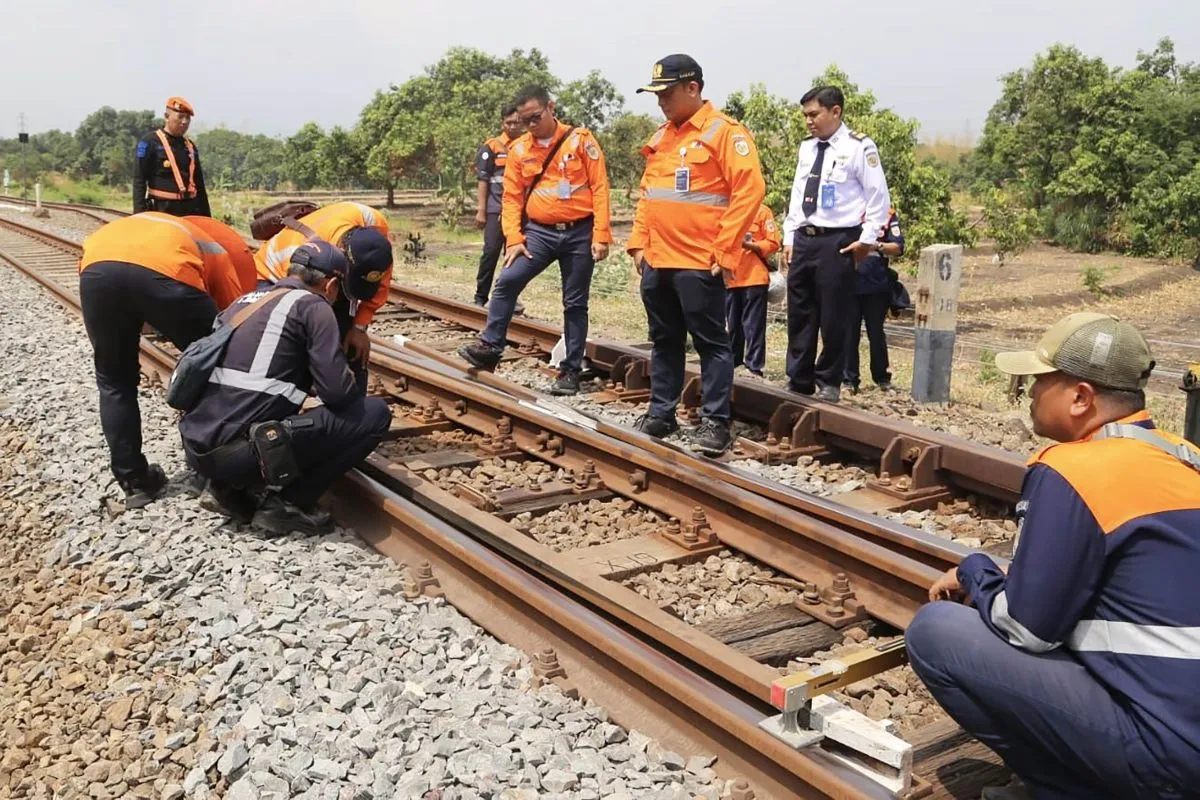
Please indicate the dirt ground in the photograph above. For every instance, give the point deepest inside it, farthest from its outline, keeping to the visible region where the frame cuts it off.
(1001, 307)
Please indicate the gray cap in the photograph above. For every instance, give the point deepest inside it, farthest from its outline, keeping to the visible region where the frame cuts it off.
(1097, 348)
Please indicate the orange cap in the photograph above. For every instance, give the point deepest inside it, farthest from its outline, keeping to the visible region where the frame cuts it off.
(180, 105)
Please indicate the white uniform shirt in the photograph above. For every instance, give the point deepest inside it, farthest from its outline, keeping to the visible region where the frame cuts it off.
(853, 189)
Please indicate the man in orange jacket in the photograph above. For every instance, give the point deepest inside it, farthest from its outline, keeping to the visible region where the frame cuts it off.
(700, 193)
(746, 294)
(556, 208)
(361, 233)
(167, 271)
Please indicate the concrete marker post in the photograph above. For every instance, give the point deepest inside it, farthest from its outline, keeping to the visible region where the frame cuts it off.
(938, 280)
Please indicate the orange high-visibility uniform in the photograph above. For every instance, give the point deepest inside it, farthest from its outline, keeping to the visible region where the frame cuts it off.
(579, 162)
(702, 223)
(170, 246)
(331, 223)
(752, 270)
(240, 253)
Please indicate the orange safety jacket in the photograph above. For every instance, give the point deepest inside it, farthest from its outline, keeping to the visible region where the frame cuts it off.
(699, 193)
(170, 246)
(331, 223)
(186, 191)
(240, 253)
(575, 184)
(752, 270)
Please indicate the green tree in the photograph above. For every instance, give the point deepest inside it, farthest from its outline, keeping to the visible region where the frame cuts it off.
(592, 102)
(1010, 226)
(341, 159)
(622, 139)
(428, 128)
(301, 156)
(107, 141)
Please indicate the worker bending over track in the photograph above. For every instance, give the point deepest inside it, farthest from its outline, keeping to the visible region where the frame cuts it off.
(171, 273)
(1080, 666)
(361, 233)
(266, 463)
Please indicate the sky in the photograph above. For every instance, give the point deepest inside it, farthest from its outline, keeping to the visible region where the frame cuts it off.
(269, 67)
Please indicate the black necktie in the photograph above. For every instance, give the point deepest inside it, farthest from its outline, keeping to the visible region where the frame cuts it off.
(814, 181)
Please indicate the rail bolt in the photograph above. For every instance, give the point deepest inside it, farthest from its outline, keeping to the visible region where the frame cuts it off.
(460, 407)
(903, 483)
(740, 790)
(785, 443)
(885, 479)
(841, 583)
(811, 596)
(639, 480)
(837, 608)
(771, 440)
(556, 445)
(504, 426)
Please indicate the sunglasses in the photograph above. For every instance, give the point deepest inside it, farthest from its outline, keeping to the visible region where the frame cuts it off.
(533, 119)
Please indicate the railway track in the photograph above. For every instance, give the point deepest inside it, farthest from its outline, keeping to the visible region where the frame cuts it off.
(483, 485)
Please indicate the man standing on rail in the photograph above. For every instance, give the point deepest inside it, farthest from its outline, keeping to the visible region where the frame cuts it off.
(555, 208)
(245, 433)
(839, 205)
(361, 233)
(170, 273)
(700, 193)
(746, 294)
(167, 176)
(1079, 665)
(489, 168)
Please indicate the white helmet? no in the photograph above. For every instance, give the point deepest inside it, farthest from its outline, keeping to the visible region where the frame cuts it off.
(776, 288)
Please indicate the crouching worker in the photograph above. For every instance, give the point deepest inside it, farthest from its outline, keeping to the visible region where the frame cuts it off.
(1079, 666)
(266, 463)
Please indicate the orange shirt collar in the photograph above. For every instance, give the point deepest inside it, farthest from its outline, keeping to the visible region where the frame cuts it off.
(700, 118)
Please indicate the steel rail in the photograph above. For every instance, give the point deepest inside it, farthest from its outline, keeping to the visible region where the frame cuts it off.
(642, 685)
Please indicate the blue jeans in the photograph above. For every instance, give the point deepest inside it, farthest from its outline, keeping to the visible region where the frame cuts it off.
(572, 249)
(1051, 721)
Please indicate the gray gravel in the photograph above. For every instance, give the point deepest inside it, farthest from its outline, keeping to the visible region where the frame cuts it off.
(160, 653)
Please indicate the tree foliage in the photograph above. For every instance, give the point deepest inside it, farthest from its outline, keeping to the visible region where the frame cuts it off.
(1106, 156)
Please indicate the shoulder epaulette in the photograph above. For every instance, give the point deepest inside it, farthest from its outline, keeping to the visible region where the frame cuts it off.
(858, 137)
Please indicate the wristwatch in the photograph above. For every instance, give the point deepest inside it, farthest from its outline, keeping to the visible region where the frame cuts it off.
(878, 247)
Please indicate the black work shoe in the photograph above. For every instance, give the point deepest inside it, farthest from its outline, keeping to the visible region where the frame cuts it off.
(518, 308)
(886, 386)
(712, 437)
(480, 355)
(566, 384)
(237, 504)
(144, 489)
(280, 517)
(807, 391)
(656, 426)
(830, 394)
(852, 388)
(480, 301)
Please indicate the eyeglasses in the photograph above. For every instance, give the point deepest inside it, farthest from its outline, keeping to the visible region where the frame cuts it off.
(533, 119)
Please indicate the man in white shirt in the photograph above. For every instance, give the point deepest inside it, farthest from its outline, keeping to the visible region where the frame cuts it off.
(838, 209)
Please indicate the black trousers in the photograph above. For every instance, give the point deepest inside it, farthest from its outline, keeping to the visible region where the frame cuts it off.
(117, 299)
(820, 296)
(493, 247)
(679, 302)
(870, 309)
(326, 444)
(746, 317)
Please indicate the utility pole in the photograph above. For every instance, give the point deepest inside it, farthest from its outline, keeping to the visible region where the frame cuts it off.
(23, 138)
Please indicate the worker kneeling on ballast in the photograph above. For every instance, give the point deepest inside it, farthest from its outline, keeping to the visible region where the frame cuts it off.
(265, 462)
(1080, 664)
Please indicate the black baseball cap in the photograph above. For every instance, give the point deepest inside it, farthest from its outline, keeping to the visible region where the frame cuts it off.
(369, 253)
(673, 69)
(321, 256)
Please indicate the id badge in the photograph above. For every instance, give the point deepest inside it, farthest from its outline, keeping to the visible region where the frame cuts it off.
(564, 189)
(828, 195)
(683, 179)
